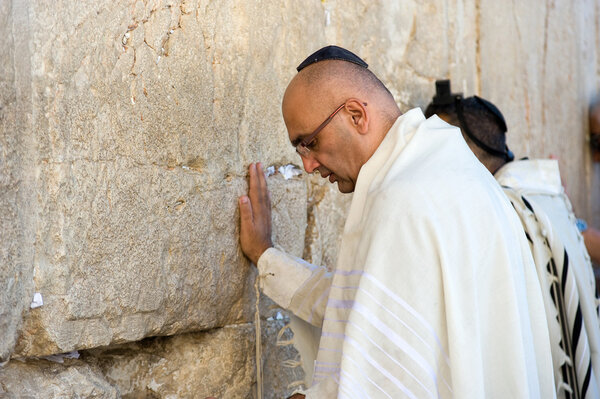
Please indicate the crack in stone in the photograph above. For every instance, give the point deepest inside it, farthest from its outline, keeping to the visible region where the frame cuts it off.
(419, 74)
(478, 46)
(544, 59)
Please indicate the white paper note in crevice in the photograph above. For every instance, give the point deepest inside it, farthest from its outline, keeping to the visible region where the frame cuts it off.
(37, 300)
(269, 171)
(289, 171)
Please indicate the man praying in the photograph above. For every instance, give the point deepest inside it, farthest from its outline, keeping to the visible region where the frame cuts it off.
(434, 293)
(563, 265)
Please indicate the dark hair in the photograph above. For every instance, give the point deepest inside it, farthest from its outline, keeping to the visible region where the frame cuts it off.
(441, 109)
(481, 121)
(485, 128)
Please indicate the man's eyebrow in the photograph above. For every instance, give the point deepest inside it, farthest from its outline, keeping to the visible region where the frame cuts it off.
(299, 139)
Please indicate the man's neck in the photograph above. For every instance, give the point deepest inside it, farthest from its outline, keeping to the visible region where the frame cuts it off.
(496, 167)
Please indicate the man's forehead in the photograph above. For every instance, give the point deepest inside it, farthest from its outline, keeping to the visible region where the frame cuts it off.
(296, 91)
(297, 130)
(296, 113)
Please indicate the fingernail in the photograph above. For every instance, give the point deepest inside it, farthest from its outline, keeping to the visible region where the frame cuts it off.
(244, 199)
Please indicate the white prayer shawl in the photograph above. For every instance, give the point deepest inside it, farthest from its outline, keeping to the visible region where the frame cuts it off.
(534, 187)
(435, 293)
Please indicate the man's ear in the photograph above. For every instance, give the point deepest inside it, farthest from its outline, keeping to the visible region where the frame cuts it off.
(358, 112)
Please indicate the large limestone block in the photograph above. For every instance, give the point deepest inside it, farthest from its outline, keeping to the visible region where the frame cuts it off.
(408, 44)
(167, 83)
(45, 379)
(151, 253)
(142, 134)
(16, 176)
(219, 363)
(536, 64)
(10, 291)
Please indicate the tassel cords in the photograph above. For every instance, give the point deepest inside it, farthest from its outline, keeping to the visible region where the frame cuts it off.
(257, 328)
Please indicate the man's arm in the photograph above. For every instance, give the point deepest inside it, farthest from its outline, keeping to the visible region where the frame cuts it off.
(292, 283)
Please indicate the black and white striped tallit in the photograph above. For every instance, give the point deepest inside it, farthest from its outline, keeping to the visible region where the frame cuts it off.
(564, 271)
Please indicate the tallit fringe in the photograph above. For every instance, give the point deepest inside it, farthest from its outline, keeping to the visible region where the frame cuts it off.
(533, 224)
(563, 386)
(296, 384)
(257, 328)
(290, 363)
(280, 335)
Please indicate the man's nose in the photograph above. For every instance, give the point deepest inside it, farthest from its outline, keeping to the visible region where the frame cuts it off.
(310, 164)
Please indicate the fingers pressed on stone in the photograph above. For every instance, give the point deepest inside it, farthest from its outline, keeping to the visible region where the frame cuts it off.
(245, 209)
(262, 181)
(253, 189)
(251, 173)
(264, 190)
(258, 191)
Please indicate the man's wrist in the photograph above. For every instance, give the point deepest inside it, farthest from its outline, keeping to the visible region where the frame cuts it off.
(260, 253)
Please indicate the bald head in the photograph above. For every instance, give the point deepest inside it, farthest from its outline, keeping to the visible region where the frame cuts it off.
(366, 112)
(326, 84)
(342, 74)
(336, 80)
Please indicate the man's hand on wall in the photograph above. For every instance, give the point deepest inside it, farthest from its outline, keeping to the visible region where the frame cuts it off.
(255, 215)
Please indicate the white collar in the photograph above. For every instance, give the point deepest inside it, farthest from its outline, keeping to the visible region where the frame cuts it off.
(375, 169)
(392, 144)
(537, 175)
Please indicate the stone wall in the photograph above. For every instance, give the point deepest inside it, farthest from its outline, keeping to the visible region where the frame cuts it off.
(125, 132)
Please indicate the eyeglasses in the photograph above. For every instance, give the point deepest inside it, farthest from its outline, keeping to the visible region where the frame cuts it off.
(302, 147)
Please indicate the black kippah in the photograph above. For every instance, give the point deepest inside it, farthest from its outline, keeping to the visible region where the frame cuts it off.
(443, 94)
(494, 111)
(332, 53)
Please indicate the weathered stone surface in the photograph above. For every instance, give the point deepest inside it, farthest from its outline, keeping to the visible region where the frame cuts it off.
(144, 151)
(539, 64)
(409, 44)
(175, 266)
(282, 370)
(327, 210)
(44, 379)
(219, 363)
(10, 292)
(126, 129)
(17, 186)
